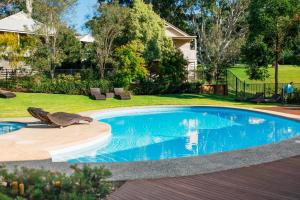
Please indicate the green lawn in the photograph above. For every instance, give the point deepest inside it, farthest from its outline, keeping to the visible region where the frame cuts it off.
(287, 73)
(16, 107)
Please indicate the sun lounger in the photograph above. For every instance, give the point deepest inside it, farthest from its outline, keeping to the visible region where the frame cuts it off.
(275, 98)
(63, 119)
(257, 98)
(40, 114)
(96, 94)
(121, 94)
(60, 119)
(7, 94)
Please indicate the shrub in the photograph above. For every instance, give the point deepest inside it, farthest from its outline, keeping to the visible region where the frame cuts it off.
(35, 184)
(62, 84)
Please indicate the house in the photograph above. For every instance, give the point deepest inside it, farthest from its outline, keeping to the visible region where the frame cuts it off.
(22, 24)
(187, 44)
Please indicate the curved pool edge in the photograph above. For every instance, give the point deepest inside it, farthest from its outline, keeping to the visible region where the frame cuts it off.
(38, 141)
(187, 165)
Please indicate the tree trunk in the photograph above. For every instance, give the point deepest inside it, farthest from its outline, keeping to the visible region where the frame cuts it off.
(276, 65)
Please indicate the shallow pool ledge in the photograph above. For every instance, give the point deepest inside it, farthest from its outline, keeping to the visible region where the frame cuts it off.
(41, 142)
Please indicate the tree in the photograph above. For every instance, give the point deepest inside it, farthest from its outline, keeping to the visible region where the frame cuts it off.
(9, 7)
(106, 28)
(70, 46)
(145, 25)
(273, 22)
(13, 48)
(131, 65)
(49, 55)
(220, 27)
(173, 71)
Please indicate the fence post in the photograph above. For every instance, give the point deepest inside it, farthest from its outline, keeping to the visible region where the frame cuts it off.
(264, 89)
(236, 86)
(6, 78)
(244, 88)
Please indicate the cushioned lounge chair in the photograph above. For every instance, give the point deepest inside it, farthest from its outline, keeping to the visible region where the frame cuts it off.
(257, 98)
(275, 98)
(60, 119)
(63, 119)
(121, 94)
(7, 94)
(40, 114)
(96, 94)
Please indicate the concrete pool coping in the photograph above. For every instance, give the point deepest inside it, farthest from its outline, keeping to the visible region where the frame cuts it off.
(188, 165)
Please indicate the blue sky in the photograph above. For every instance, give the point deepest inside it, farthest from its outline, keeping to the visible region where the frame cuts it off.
(83, 10)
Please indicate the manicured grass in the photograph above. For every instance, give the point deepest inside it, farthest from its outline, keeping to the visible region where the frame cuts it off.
(16, 107)
(287, 73)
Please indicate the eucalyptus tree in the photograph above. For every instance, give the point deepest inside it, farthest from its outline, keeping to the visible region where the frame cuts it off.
(49, 53)
(220, 27)
(106, 27)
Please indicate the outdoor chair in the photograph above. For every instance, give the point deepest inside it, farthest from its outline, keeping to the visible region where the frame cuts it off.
(40, 114)
(96, 94)
(7, 94)
(257, 98)
(275, 98)
(121, 94)
(60, 119)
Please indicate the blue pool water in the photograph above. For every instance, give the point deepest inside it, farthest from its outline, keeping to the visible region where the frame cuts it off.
(6, 127)
(164, 133)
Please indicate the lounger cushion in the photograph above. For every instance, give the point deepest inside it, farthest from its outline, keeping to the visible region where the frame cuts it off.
(7, 94)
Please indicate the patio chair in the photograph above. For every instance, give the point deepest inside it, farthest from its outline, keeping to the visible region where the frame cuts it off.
(60, 119)
(96, 94)
(121, 94)
(40, 114)
(7, 94)
(257, 98)
(275, 98)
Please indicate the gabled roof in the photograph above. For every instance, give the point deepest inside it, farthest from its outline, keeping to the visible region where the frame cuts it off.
(19, 23)
(86, 38)
(174, 32)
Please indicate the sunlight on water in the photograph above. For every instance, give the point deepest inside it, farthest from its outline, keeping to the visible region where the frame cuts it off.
(189, 131)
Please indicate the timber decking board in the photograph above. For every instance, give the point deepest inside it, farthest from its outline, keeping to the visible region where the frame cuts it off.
(278, 180)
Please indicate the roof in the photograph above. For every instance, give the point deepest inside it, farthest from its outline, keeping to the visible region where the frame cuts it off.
(19, 23)
(86, 38)
(176, 33)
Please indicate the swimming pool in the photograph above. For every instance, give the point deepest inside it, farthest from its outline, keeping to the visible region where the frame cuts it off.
(172, 132)
(6, 127)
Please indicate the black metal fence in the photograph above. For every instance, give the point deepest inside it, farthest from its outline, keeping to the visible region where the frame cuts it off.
(238, 87)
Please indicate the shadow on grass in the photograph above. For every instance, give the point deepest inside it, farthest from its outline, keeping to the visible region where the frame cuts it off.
(198, 96)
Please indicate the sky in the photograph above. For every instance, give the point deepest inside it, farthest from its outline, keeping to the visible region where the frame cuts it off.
(82, 12)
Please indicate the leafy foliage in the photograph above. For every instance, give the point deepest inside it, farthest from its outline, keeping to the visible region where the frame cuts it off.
(221, 29)
(131, 64)
(9, 7)
(145, 25)
(106, 28)
(83, 183)
(273, 23)
(13, 48)
(62, 84)
(49, 53)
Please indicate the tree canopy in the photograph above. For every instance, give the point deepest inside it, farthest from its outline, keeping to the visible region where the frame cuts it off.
(272, 24)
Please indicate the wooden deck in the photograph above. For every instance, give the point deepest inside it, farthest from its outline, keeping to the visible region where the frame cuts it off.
(279, 180)
(285, 109)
